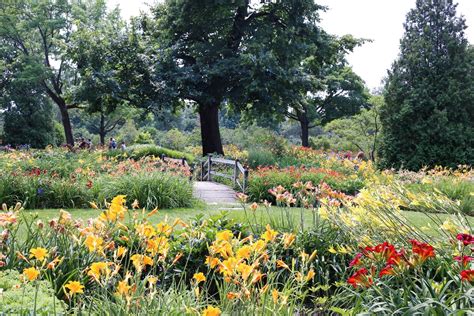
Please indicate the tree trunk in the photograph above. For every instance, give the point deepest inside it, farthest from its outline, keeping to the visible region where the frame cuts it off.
(102, 131)
(304, 129)
(66, 124)
(210, 134)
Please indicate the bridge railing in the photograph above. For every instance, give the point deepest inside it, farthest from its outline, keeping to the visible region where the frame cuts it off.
(239, 175)
(181, 161)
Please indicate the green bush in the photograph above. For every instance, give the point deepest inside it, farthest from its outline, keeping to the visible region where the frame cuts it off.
(151, 190)
(144, 138)
(19, 298)
(140, 151)
(174, 139)
(261, 157)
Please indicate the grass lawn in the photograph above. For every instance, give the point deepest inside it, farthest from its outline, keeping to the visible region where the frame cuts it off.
(236, 212)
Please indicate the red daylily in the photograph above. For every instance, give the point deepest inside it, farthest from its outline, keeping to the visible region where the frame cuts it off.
(467, 275)
(386, 250)
(388, 270)
(423, 250)
(466, 239)
(356, 260)
(396, 258)
(361, 278)
(464, 260)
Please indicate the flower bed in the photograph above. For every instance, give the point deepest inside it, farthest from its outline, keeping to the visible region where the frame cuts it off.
(346, 261)
(59, 179)
(265, 178)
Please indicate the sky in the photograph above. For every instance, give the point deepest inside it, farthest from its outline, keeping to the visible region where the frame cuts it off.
(378, 20)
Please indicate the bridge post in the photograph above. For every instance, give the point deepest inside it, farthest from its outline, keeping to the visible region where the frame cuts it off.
(236, 170)
(209, 168)
(244, 183)
(202, 170)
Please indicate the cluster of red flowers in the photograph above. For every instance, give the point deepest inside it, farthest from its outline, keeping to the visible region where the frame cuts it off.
(385, 259)
(466, 241)
(37, 172)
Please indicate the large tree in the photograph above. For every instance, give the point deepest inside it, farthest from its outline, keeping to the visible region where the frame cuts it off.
(429, 112)
(300, 71)
(335, 91)
(215, 53)
(40, 34)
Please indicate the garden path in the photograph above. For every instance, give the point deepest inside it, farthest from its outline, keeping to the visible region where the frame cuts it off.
(214, 193)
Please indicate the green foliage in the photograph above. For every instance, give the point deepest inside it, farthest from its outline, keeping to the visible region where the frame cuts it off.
(151, 189)
(427, 119)
(255, 137)
(361, 130)
(59, 134)
(174, 139)
(144, 138)
(27, 298)
(30, 121)
(141, 151)
(59, 179)
(28, 116)
(40, 36)
(261, 157)
(329, 141)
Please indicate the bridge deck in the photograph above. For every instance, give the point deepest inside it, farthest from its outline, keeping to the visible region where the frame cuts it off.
(214, 193)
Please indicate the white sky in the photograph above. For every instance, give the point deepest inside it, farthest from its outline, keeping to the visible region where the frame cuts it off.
(378, 20)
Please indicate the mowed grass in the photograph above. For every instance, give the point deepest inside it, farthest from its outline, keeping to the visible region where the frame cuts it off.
(262, 216)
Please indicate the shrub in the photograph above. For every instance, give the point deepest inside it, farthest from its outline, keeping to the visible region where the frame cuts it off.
(261, 157)
(150, 189)
(140, 151)
(144, 138)
(174, 139)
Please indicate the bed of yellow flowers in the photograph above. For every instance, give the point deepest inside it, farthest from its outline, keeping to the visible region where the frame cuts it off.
(122, 259)
(358, 254)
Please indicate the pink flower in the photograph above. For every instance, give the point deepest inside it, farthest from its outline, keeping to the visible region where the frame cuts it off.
(466, 239)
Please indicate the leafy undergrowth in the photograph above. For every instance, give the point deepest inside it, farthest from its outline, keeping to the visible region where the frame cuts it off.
(297, 260)
(61, 179)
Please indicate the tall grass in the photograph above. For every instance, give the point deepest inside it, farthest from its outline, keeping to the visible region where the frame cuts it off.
(151, 190)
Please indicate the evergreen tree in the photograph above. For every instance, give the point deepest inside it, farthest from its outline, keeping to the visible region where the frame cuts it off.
(428, 116)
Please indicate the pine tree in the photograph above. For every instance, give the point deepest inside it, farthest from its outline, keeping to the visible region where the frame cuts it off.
(428, 116)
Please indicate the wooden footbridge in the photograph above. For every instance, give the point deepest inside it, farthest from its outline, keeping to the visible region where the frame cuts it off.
(220, 179)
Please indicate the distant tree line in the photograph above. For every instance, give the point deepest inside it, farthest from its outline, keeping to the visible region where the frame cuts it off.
(262, 62)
